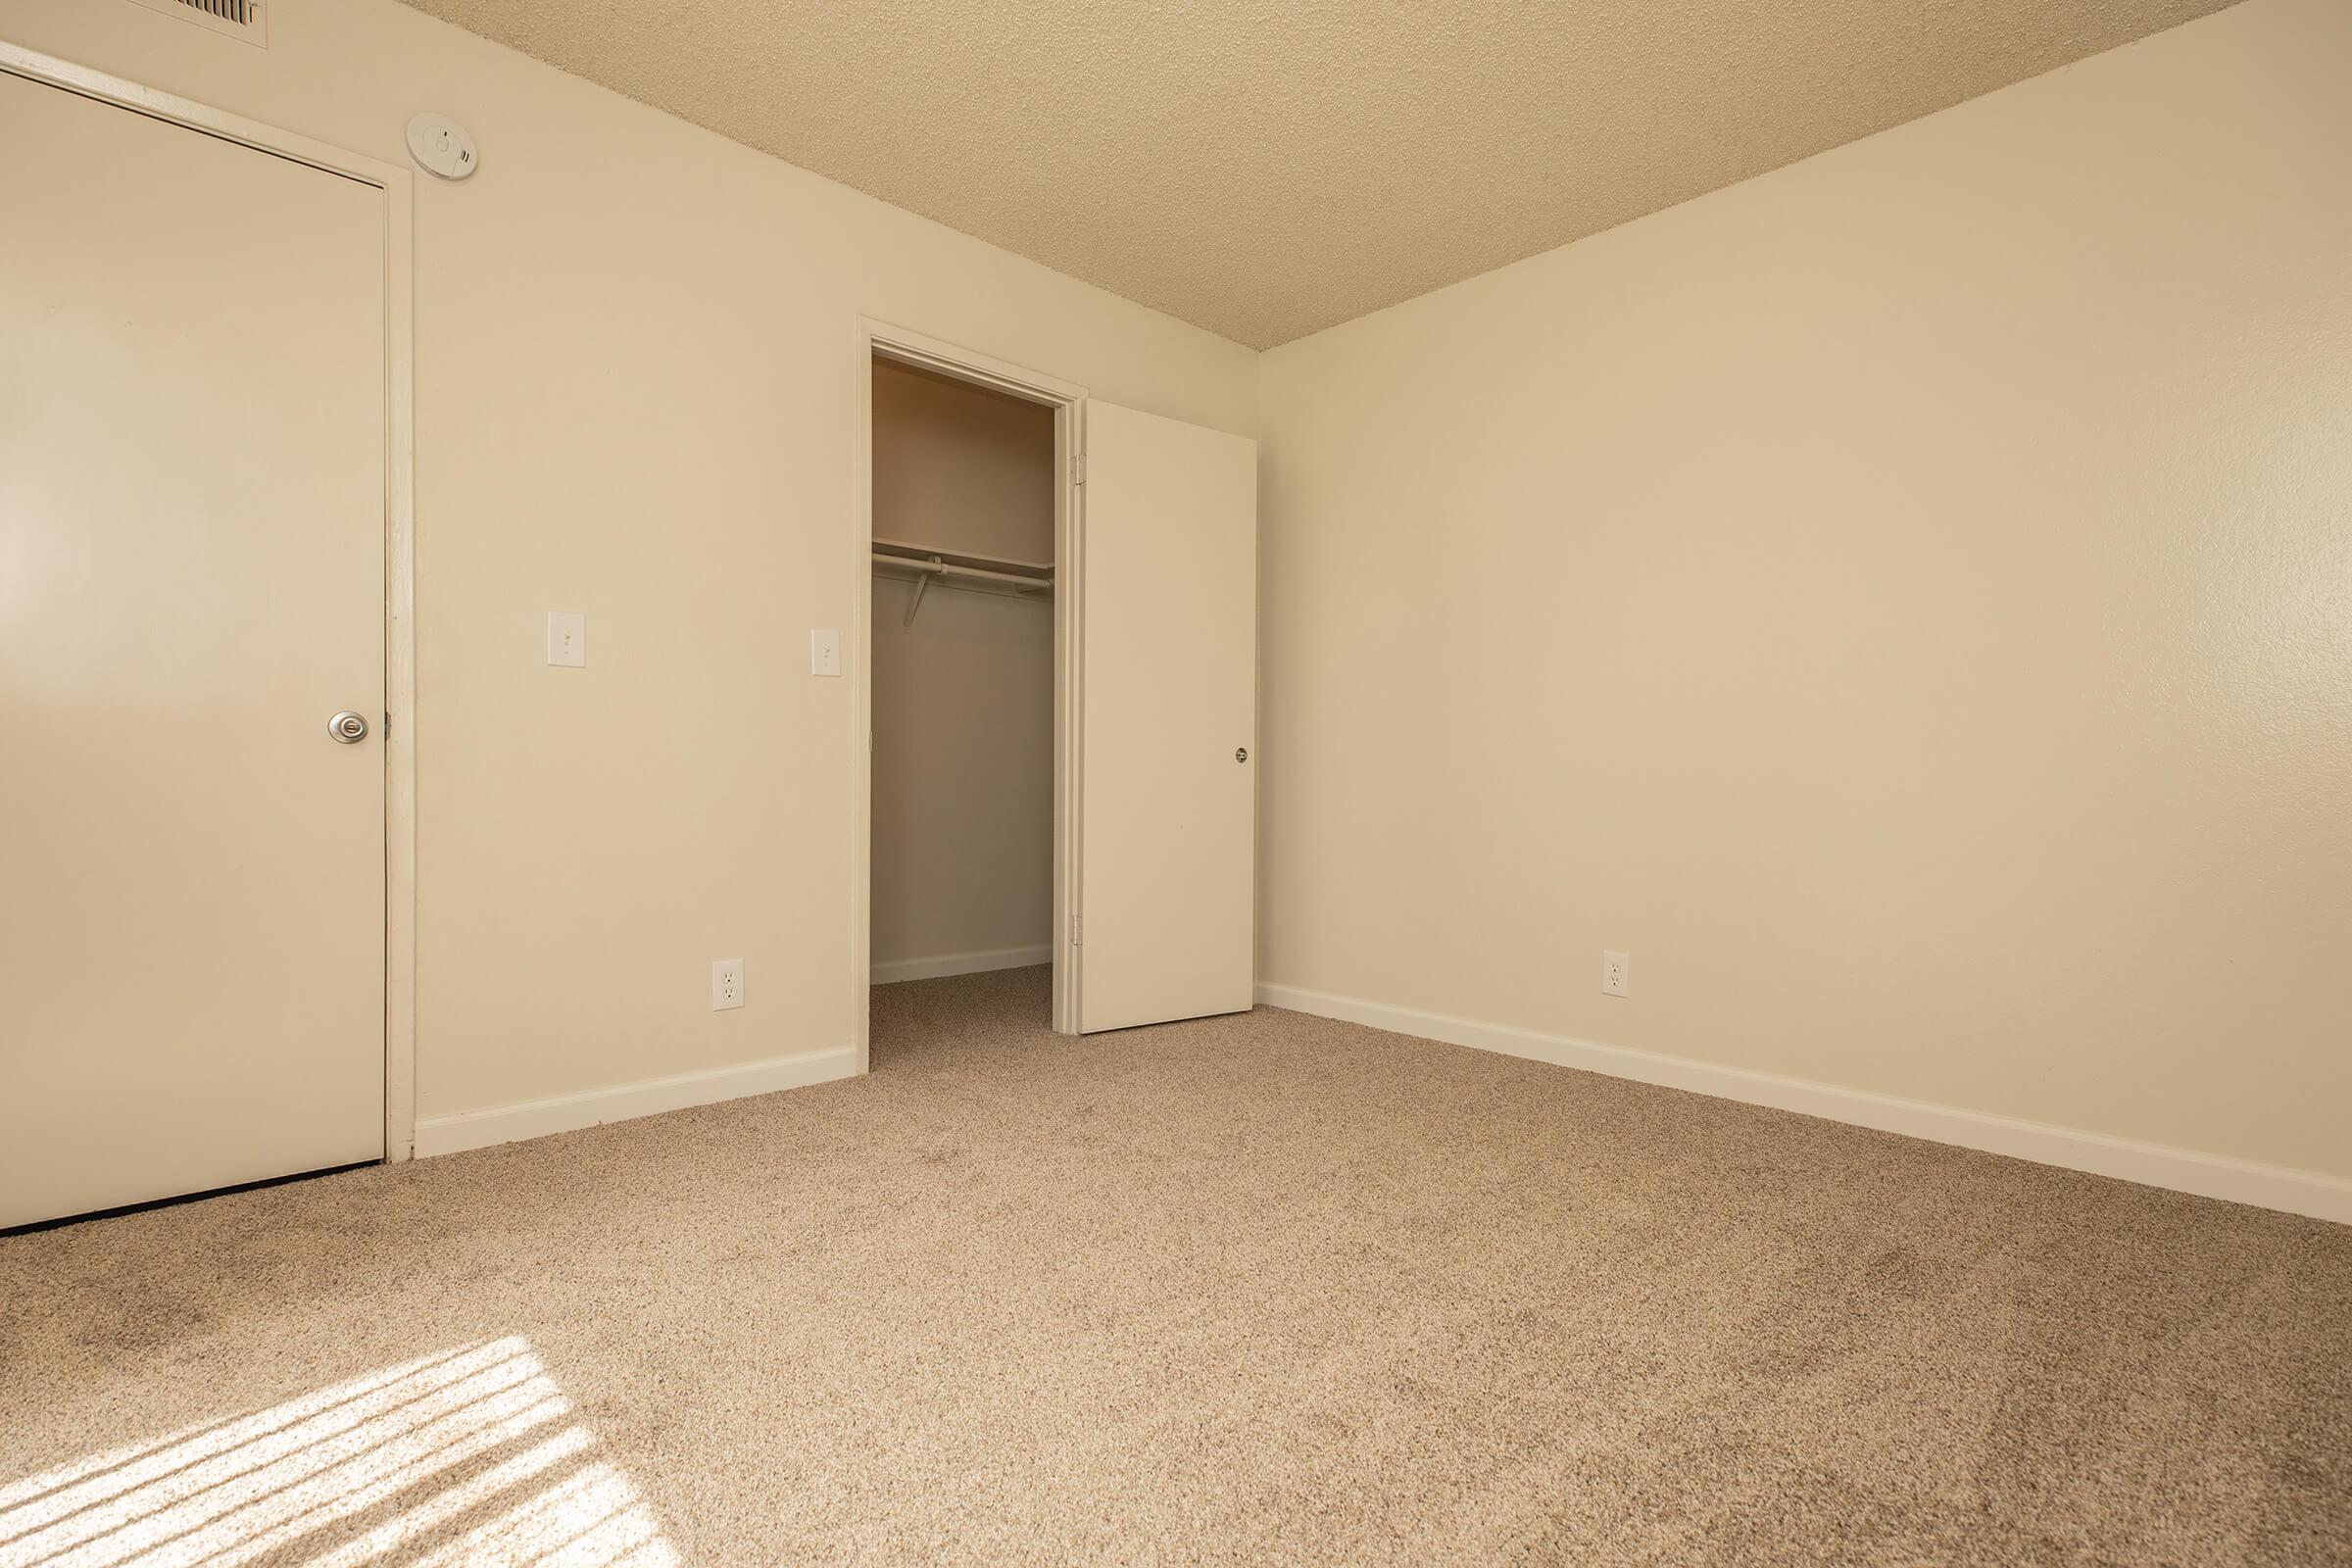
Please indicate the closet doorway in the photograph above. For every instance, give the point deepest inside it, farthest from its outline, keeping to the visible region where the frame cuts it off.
(962, 661)
(970, 473)
(1056, 675)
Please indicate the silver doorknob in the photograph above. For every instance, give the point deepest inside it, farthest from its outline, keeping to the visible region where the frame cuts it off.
(347, 727)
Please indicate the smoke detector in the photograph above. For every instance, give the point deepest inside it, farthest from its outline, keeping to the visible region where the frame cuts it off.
(441, 146)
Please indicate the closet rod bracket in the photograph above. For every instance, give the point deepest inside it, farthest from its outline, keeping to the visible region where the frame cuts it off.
(922, 585)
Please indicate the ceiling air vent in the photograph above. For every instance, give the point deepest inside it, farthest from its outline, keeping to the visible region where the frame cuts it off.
(240, 19)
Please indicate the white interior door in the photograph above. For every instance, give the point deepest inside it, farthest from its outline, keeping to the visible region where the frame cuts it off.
(191, 583)
(1167, 840)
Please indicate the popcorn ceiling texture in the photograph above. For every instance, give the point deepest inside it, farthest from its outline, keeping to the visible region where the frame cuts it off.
(1268, 167)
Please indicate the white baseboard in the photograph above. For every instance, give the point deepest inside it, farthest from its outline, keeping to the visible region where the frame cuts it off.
(2294, 1192)
(898, 969)
(536, 1118)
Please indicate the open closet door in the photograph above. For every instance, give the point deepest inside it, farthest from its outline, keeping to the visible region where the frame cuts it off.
(1169, 597)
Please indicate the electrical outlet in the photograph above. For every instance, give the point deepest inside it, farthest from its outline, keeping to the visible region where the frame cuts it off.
(1615, 969)
(726, 984)
(824, 653)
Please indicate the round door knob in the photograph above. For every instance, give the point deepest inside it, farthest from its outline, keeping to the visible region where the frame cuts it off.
(1241, 754)
(347, 727)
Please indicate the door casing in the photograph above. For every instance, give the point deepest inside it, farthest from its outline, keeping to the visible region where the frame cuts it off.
(399, 524)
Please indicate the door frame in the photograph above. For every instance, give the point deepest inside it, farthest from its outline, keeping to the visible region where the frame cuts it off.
(1067, 400)
(399, 728)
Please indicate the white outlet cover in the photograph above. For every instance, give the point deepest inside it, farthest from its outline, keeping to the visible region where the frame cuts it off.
(726, 984)
(1616, 975)
(824, 653)
(441, 147)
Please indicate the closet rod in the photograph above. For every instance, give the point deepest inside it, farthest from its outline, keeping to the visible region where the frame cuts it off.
(934, 570)
(937, 568)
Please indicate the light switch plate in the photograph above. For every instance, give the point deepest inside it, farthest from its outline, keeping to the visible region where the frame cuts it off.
(566, 638)
(824, 653)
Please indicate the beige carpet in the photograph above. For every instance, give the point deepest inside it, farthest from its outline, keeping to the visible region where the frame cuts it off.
(1267, 1289)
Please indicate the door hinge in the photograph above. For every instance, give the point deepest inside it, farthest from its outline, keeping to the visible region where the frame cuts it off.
(1078, 468)
(387, 725)
(1077, 930)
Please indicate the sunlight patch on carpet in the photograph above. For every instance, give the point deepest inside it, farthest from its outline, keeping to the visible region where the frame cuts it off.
(469, 1457)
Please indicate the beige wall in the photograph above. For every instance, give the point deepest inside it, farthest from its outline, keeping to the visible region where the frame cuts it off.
(637, 396)
(961, 468)
(963, 698)
(964, 774)
(1905, 601)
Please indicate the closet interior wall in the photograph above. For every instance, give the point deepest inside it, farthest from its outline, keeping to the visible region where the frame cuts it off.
(963, 694)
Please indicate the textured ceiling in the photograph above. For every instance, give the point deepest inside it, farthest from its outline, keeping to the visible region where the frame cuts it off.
(1267, 167)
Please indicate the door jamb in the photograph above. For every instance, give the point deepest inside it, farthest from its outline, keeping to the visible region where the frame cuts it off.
(1069, 403)
(399, 528)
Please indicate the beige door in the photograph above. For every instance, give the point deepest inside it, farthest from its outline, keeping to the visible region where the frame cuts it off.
(1166, 868)
(191, 583)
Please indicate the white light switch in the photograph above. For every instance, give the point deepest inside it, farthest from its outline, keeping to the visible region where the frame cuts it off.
(824, 653)
(566, 637)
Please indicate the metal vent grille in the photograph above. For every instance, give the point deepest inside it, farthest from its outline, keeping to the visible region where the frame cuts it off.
(238, 19)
